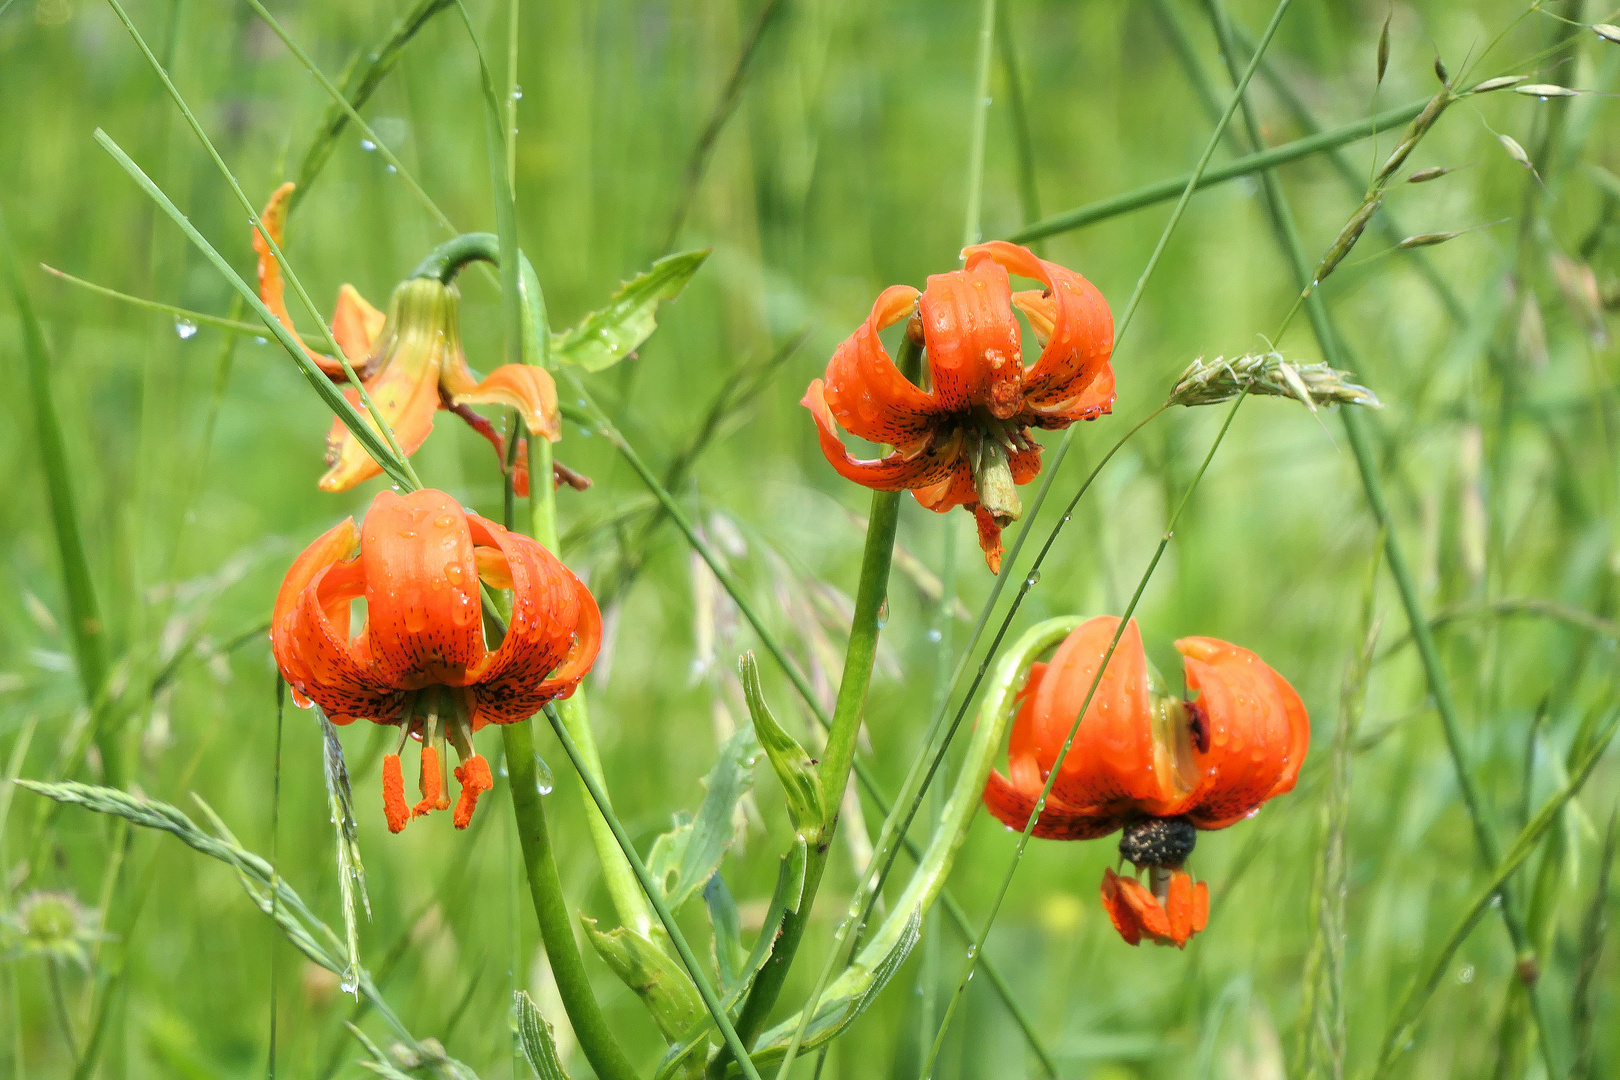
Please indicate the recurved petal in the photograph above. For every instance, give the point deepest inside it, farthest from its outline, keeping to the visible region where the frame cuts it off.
(322, 663)
(1134, 910)
(553, 636)
(1097, 399)
(865, 391)
(272, 288)
(1186, 907)
(1257, 731)
(332, 546)
(424, 618)
(1072, 318)
(974, 355)
(406, 393)
(356, 325)
(955, 489)
(1114, 762)
(526, 388)
(905, 468)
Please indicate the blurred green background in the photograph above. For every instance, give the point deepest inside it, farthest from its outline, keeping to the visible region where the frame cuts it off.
(842, 169)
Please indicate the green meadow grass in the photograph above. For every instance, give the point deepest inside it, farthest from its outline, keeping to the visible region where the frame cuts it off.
(840, 164)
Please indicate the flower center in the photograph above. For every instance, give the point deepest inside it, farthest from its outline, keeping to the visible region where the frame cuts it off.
(1158, 842)
(990, 444)
(428, 718)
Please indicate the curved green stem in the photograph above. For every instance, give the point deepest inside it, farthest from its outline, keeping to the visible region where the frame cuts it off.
(936, 861)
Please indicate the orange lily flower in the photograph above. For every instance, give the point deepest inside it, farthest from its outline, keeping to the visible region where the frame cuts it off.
(1148, 763)
(411, 364)
(420, 660)
(964, 441)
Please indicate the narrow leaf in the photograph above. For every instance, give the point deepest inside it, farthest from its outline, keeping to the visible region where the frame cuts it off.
(605, 337)
(727, 925)
(806, 797)
(535, 1038)
(683, 859)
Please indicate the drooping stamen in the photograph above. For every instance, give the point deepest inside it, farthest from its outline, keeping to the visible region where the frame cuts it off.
(473, 772)
(394, 807)
(475, 780)
(432, 780)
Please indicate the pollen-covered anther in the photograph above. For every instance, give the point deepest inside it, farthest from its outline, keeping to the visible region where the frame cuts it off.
(394, 807)
(473, 775)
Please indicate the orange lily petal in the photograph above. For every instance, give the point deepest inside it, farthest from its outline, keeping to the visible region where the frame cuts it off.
(1258, 731)
(865, 392)
(1081, 335)
(406, 393)
(422, 600)
(526, 388)
(899, 470)
(974, 355)
(551, 640)
(272, 288)
(989, 538)
(1135, 911)
(356, 325)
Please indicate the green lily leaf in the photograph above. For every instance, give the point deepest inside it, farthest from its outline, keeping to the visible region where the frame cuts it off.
(640, 964)
(806, 797)
(605, 337)
(685, 858)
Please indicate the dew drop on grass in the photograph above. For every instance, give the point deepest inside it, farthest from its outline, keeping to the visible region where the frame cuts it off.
(935, 636)
(185, 328)
(1033, 580)
(543, 781)
(517, 93)
(261, 341)
(367, 145)
(390, 168)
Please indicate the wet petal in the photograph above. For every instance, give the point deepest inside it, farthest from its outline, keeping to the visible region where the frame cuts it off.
(974, 356)
(863, 389)
(356, 325)
(553, 636)
(1074, 319)
(902, 469)
(1258, 731)
(1133, 909)
(425, 625)
(406, 392)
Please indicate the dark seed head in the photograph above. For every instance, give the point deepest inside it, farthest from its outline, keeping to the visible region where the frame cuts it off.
(1158, 841)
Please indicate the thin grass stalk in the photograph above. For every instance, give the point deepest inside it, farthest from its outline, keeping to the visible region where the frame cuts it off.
(703, 149)
(1524, 845)
(362, 75)
(1040, 803)
(1594, 930)
(1484, 833)
(838, 755)
(694, 967)
(1165, 190)
(399, 461)
(1029, 190)
(591, 416)
(396, 467)
(201, 318)
(275, 865)
(85, 622)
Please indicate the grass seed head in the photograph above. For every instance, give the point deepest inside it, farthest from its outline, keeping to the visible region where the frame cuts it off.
(1270, 375)
(1423, 176)
(1545, 91)
(1501, 82)
(1607, 31)
(1347, 238)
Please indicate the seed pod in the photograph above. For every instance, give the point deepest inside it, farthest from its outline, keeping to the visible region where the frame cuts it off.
(1607, 31)
(1501, 82)
(1428, 239)
(1440, 72)
(1423, 176)
(1545, 90)
(1383, 48)
(1347, 238)
(1515, 151)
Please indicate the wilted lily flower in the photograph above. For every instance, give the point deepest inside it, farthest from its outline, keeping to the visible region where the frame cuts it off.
(1149, 763)
(411, 364)
(420, 661)
(963, 439)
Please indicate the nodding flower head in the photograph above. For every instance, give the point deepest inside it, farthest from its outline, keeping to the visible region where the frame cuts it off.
(410, 363)
(963, 439)
(1149, 763)
(420, 661)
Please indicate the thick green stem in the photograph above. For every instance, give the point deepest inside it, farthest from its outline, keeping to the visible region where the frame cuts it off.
(871, 600)
(596, 1038)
